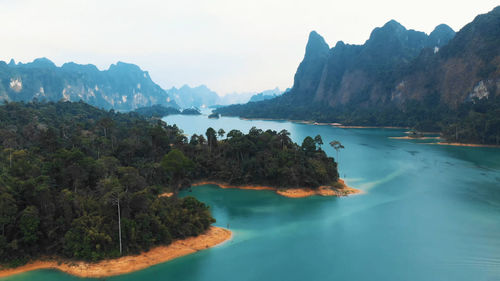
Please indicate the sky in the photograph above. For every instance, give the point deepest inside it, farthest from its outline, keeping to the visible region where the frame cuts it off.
(228, 45)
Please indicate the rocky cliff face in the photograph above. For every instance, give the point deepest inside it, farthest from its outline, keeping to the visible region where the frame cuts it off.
(122, 87)
(396, 66)
(466, 68)
(308, 75)
(361, 74)
(398, 77)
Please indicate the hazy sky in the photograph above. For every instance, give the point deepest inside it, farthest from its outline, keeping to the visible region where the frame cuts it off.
(229, 45)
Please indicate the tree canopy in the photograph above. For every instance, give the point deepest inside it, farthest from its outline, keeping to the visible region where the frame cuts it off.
(84, 183)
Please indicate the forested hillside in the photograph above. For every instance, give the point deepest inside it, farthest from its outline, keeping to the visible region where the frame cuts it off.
(72, 176)
(66, 171)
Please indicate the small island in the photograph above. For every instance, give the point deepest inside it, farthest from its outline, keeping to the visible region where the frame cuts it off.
(214, 116)
(80, 185)
(156, 111)
(191, 111)
(416, 135)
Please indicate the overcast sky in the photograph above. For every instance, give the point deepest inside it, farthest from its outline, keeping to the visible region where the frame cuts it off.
(228, 45)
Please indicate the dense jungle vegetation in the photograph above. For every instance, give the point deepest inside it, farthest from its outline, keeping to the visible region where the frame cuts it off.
(72, 176)
(476, 121)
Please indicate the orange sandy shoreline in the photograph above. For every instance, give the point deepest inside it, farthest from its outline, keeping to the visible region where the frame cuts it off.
(338, 125)
(369, 127)
(415, 138)
(166, 194)
(293, 192)
(214, 236)
(466, 144)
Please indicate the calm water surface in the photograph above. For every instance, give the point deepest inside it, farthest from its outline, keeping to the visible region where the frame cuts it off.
(428, 213)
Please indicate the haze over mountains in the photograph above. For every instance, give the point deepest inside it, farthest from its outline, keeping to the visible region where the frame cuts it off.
(202, 96)
(122, 87)
(440, 81)
(399, 77)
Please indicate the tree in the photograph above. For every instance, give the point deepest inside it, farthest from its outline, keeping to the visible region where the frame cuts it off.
(337, 146)
(105, 123)
(211, 138)
(8, 209)
(309, 145)
(29, 224)
(221, 133)
(201, 139)
(193, 140)
(176, 164)
(114, 192)
(284, 137)
(318, 140)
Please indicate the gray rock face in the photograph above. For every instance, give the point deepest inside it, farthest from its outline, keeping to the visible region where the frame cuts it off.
(362, 74)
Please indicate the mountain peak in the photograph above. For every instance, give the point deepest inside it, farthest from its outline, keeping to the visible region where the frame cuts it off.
(389, 31)
(316, 45)
(441, 35)
(125, 66)
(41, 62)
(71, 66)
(393, 24)
(443, 28)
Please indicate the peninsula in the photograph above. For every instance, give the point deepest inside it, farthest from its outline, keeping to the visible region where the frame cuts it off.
(127, 264)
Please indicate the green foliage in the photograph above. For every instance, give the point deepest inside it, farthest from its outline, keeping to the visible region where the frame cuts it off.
(69, 190)
(176, 164)
(28, 224)
(64, 167)
(476, 120)
(262, 158)
(156, 111)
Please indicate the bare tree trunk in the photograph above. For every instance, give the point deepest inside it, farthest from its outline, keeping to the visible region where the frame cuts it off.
(119, 226)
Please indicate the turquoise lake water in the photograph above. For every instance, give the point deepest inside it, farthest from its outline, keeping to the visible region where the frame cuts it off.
(429, 212)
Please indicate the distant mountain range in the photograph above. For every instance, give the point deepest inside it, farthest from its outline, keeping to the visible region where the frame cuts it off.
(199, 97)
(202, 96)
(442, 81)
(266, 95)
(122, 87)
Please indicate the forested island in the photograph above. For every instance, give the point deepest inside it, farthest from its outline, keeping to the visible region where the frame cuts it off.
(82, 183)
